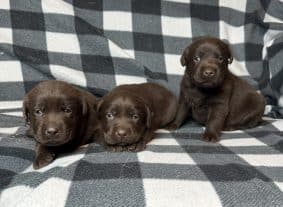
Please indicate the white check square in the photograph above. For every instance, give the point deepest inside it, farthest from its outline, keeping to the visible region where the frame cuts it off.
(130, 53)
(126, 79)
(68, 74)
(59, 7)
(179, 1)
(6, 35)
(5, 4)
(235, 35)
(180, 26)
(116, 51)
(165, 158)
(239, 68)
(234, 4)
(61, 42)
(181, 193)
(118, 21)
(11, 71)
(173, 65)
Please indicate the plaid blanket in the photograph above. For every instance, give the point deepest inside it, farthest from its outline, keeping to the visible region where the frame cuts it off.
(100, 44)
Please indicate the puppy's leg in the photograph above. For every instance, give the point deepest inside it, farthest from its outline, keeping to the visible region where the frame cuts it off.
(29, 132)
(249, 114)
(141, 145)
(214, 124)
(43, 156)
(182, 113)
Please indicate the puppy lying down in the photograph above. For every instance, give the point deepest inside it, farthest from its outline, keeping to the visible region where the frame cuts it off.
(129, 115)
(212, 95)
(60, 117)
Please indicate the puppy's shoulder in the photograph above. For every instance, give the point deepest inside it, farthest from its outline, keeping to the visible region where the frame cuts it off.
(241, 84)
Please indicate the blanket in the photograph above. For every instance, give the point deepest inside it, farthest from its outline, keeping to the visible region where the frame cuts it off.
(99, 44)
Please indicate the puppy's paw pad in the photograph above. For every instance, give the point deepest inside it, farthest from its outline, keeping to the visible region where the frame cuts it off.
(210, 137)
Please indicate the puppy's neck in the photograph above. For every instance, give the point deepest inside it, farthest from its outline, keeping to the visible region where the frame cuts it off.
(204, 90)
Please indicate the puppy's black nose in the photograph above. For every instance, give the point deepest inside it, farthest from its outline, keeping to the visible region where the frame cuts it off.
(51, 131)
(208, 73)
(121, 133)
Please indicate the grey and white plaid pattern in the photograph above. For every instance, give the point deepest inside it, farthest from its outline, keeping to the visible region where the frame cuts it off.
(100, 44)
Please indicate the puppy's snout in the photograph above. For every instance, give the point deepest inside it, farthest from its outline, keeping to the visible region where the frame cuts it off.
(121, 133)
(209, 73)
(51, 131)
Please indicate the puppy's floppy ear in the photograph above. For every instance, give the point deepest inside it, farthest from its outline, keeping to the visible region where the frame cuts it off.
(84, 106)
(184, 56)
(149, 115)
(230, 56)
(99, 104)
(230, 59)
(26, 110)
(228, 51)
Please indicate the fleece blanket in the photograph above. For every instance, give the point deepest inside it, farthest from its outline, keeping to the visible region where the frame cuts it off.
(98, 45)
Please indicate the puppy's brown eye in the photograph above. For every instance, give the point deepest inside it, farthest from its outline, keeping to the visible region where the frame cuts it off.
(109, 116)
(135, 117)
(38, 112)
(220, 58)
(196, 59)
(67, 110)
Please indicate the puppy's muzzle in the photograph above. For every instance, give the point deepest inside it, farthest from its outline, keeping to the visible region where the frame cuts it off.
(121, 136)
(209, 73)
(51, 131)
(121, 133)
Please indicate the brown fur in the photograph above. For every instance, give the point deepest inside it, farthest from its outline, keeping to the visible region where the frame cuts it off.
(130, 114)
(212, 95)
(58, 116)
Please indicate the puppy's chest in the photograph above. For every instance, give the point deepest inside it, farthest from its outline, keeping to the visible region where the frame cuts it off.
(199, 105)
(195, 99)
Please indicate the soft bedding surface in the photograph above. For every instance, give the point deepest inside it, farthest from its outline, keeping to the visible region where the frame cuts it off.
(99, 44)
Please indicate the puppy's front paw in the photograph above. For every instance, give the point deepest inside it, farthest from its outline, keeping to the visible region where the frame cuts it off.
(29, 133)
(172, 126)
(210, 137)
(116, 148)
(137, 147)
(43, 160)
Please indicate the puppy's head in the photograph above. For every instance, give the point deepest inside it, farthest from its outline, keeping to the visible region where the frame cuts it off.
(206, 62)
(54, 111)
(124, 118)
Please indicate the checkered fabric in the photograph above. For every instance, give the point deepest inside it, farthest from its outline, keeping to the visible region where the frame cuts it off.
(100, 44)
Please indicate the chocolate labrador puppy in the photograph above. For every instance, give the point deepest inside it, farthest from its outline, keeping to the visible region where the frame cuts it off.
(212, 95)
(60, 117)
(130, 114)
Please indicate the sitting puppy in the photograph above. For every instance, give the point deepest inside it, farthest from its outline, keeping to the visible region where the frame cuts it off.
(130, 114)
(58, 116)
(212, 95)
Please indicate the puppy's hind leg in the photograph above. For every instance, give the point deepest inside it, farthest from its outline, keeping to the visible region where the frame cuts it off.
(250, 121)
(255, 117)
(252, 112)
